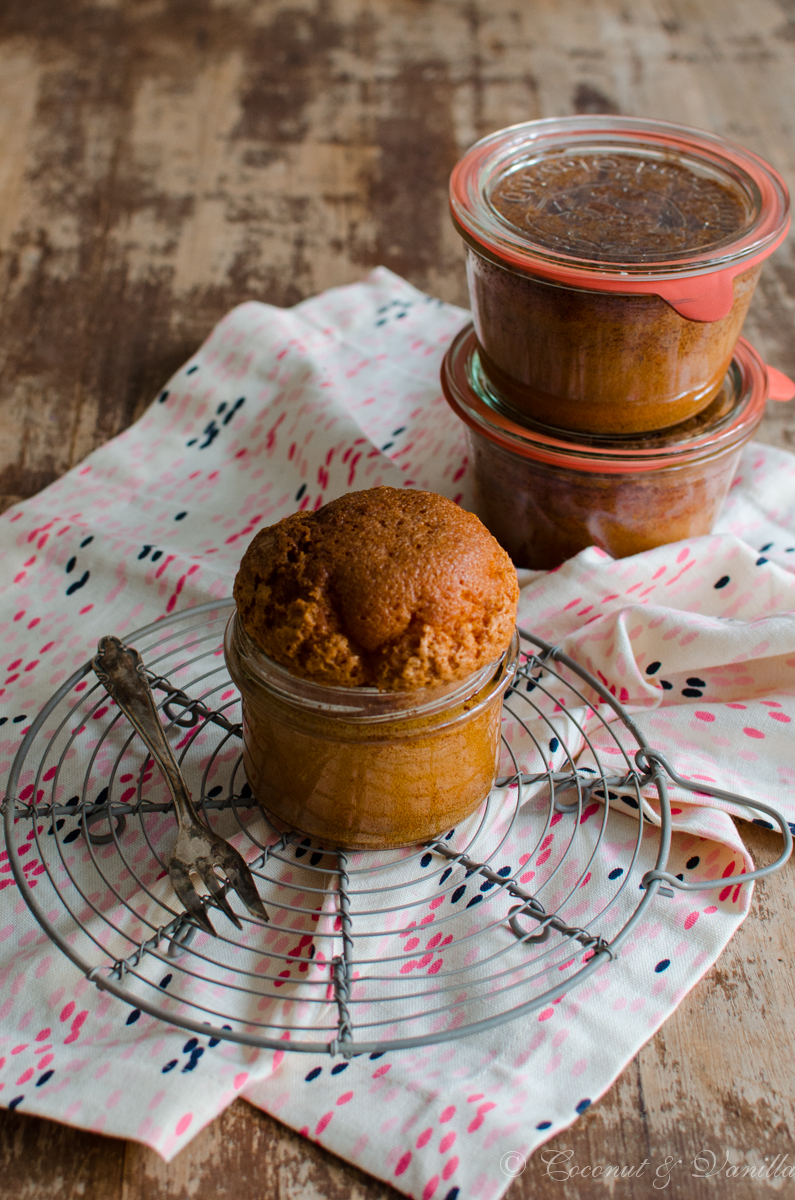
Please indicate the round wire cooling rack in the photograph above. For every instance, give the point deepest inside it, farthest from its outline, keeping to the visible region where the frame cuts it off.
(365, 951)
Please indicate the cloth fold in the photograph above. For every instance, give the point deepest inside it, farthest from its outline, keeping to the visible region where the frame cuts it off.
(286, 409)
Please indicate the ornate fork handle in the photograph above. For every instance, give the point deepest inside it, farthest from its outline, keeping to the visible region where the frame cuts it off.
(120, 668)
(198, 851)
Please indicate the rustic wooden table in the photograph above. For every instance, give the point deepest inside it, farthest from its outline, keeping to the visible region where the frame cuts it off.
(162, 161)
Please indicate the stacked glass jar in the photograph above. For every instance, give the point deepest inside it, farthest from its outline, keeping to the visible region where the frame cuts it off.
(607, 393)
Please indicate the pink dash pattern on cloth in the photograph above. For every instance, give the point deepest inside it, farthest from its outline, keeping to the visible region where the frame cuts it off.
(282, 410)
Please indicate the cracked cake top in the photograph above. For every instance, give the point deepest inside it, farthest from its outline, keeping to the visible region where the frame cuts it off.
(387, 588)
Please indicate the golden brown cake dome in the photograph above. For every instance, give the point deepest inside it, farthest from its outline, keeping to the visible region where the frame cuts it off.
(397, 589)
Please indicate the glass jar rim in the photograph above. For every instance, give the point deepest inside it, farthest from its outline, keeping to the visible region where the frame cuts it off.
(494, 154)
(700, 286)
(747, 376)
(361, 704)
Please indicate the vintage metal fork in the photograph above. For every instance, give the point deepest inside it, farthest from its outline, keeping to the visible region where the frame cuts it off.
(198, 850)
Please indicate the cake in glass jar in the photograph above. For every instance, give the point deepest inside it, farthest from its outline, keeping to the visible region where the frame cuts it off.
(545, 496)
(372, 644)
(611, 262)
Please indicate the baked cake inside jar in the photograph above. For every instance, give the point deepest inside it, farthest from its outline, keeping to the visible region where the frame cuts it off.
(394, 589)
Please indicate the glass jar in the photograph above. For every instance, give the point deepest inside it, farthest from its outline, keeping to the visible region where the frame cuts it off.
(545, 498)
(365, 769)
(611, 262)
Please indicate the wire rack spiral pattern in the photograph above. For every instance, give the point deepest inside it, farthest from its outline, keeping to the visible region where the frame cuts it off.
(365, 951)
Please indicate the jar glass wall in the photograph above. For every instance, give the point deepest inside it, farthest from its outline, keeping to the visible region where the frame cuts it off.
(361, 768)
(543, 514)
(598, 362)
(546, 498)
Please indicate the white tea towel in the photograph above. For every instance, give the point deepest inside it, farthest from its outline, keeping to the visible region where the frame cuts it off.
(281, 410)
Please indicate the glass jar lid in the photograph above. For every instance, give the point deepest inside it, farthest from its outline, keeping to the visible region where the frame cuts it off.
(621, 204)
(730, 419)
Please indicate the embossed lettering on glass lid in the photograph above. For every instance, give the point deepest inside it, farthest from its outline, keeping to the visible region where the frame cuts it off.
(616, 205)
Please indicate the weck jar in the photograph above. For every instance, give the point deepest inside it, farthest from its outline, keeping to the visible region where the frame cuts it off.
(611, 262)
(361, 768)
(545, 497)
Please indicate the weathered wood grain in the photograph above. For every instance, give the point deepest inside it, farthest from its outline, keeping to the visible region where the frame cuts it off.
(161, 161)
